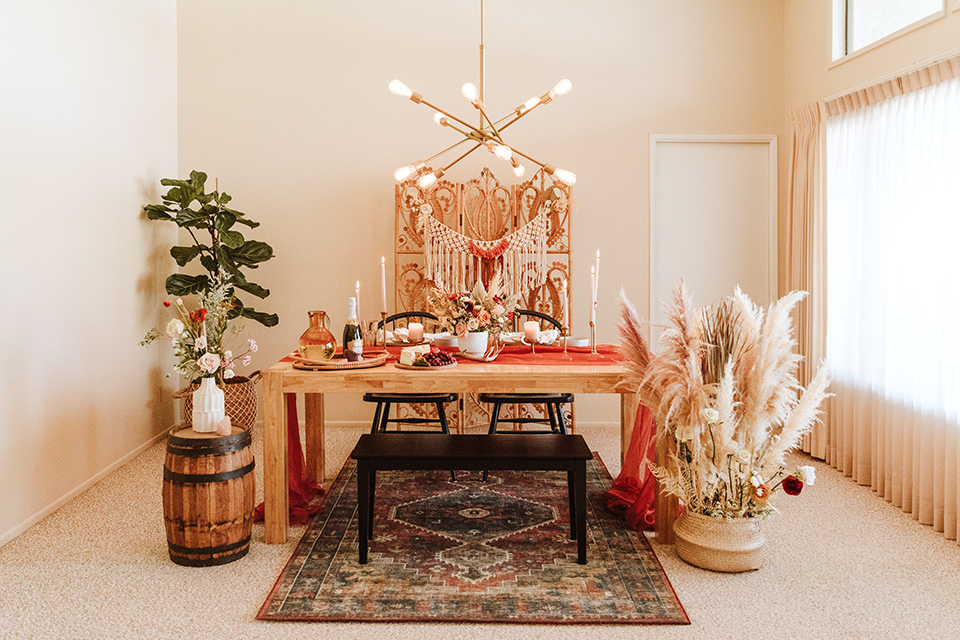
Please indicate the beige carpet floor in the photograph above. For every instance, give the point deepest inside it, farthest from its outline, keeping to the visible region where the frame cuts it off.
(842, 564)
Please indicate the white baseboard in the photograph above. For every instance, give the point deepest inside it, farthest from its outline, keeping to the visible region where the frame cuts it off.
(43, 513)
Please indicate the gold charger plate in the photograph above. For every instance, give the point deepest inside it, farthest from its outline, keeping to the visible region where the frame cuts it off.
(339, 362)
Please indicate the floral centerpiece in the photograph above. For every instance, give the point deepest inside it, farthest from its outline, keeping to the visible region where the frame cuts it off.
(200, 338)
(728, 405)
(482, 309)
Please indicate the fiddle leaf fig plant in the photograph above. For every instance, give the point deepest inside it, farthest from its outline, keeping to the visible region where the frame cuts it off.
(222, 249)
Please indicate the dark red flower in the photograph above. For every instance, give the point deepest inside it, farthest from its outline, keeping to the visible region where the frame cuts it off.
(166, 303)
(792, 485)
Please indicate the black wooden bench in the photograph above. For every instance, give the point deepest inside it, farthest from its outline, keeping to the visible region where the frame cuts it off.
(516, 452)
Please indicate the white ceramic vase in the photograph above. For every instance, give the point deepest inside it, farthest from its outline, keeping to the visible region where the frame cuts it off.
(208, 406)
(474, 343)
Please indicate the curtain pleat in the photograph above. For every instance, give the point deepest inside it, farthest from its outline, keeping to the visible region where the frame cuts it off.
(892, 338)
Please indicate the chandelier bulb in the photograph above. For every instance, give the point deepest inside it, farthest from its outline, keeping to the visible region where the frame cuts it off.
(440, 119)
(518, 169)
(427, 180)
(502, 151)
(561, 88)
(400, 89)
(469, 91)
(564, 176)
(403, 173)
(530, 104)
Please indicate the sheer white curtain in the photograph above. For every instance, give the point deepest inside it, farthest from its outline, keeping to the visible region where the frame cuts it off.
(893, 299)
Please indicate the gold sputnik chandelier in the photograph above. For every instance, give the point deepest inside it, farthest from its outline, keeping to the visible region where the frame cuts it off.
(488, 134)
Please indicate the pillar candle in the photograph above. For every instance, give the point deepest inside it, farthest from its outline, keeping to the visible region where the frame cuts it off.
(415, 332)
(531, 330)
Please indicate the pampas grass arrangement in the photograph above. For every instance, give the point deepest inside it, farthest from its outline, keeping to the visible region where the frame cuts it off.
(723, 387)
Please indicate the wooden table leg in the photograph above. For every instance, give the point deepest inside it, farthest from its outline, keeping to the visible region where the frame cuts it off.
(276, 517)
(314, 421)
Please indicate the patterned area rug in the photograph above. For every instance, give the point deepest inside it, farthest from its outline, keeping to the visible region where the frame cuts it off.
(469, 551)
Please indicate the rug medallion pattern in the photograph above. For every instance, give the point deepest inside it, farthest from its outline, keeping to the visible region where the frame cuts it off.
(470, 551)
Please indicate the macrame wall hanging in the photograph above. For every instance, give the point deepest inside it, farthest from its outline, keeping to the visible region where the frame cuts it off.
(453, 259)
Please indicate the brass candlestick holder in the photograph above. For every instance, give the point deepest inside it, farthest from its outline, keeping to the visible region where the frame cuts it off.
(563, 334)
(593, 338)
(383, 326)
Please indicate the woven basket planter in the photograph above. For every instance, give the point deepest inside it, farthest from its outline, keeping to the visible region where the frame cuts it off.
(729, 545)
(240, 400)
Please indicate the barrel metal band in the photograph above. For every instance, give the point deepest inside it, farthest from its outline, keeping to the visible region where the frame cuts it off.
(209, 477)
(223, 549)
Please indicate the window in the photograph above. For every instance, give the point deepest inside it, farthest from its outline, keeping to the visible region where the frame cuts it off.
(893, 314)
(861, 23)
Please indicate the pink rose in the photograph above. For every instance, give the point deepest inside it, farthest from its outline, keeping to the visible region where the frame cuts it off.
(209, 362)
(483, 317)
(461, 329)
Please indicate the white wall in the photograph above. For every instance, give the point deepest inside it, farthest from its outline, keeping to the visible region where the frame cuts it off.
(288, 104)
(811, 74)
(88, 126)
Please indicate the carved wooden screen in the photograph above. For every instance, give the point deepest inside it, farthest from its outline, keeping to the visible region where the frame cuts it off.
(482, 209)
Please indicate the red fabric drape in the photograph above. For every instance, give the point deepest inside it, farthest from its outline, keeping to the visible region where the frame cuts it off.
(302, 490)
(634, 492)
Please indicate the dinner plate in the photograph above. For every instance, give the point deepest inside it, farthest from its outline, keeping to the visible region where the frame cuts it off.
(414, 367)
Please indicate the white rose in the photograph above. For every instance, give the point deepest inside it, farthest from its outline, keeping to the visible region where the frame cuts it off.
(208, 362)
(744, 456)
(227, 374)
(174, 328)
(200, 342)
(807, 474)
(684, 433)
(711, 415)
(228, 355)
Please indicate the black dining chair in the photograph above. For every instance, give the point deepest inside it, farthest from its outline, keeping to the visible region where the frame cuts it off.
(553, 402)
(385, 401)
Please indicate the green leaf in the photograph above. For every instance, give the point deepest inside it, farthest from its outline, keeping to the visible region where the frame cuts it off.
(159, 212)
(190, 218)
(208, 263)
(183, 255)
(197, 180)
(225, 198)
(224, 220)
(180, 284)
(266, 319)
(250, 253)
(173, 182)
(226, 262)
(253, 288)
(233, 239)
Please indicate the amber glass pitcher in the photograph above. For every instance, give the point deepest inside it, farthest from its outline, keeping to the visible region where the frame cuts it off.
(317, 343)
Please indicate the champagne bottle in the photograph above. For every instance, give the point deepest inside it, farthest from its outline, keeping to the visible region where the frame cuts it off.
(352, 336)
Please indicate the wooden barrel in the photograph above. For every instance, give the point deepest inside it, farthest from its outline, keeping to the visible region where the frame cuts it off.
(208, 494)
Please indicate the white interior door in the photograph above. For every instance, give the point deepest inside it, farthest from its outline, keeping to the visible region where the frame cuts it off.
(713, 218)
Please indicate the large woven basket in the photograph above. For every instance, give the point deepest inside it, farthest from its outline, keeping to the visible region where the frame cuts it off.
(239, 399)
(729, 545)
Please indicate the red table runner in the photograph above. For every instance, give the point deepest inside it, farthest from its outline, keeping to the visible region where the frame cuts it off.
(632, 494)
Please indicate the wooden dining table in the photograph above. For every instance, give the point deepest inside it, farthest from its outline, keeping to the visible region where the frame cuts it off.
(517, 375)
